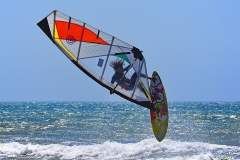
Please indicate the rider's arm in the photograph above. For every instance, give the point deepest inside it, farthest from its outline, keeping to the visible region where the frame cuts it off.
(113, 79)
(126, 68)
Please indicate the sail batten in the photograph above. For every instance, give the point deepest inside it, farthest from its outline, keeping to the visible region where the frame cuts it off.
(107, 58)
(81, 40)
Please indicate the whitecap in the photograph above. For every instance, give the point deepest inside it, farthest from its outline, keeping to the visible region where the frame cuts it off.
(145, 149)
(233, 117)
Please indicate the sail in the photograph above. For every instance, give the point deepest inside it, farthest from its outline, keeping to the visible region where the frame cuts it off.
(93, 50)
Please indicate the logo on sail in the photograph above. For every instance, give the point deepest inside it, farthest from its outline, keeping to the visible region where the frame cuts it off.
(70, 39)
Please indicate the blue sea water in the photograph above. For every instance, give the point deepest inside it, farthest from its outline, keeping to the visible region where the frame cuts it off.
(118, 130)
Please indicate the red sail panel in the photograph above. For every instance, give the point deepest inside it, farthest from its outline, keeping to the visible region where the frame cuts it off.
(75, 31)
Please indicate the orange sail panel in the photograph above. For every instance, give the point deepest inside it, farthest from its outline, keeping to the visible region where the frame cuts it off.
(74, 32)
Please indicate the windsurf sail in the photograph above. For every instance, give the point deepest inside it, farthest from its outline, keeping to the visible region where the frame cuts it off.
(93, 50)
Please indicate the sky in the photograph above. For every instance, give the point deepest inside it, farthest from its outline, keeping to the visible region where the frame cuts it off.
(193, 45)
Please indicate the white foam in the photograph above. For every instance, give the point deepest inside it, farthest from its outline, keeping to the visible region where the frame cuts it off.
(234, 117)
(146, 149)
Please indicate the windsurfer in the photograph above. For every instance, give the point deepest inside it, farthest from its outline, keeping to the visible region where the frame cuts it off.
(119, 76)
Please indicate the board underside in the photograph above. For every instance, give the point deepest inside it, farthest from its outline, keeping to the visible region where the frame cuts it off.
(159, 116)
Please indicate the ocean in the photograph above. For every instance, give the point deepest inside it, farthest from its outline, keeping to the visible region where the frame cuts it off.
(118, 130)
